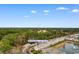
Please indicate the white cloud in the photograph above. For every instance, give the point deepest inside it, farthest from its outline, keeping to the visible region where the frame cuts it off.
(46, 11)
(62, 8)
(33, 11)
(26, 16)
(75, 10)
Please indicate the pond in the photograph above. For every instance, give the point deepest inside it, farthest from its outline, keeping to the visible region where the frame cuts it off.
(64, 47)
(70, 48)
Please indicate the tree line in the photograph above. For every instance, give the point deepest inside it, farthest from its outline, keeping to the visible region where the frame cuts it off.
(14, 37)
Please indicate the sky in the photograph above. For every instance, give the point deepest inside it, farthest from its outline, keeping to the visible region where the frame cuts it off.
(39, 15)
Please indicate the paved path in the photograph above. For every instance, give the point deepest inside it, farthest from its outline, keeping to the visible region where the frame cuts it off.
(54, 41)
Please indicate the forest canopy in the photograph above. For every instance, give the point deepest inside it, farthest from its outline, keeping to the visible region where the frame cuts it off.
(13, 37)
